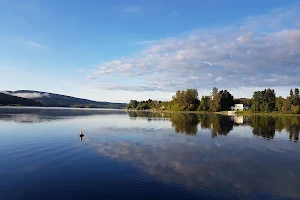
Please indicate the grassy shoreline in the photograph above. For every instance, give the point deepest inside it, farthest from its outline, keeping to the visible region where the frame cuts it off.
(246, 113)
(170, 111)
(241, 113)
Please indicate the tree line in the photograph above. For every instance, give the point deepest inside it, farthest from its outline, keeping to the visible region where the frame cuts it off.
(266, 101)
(188, 100)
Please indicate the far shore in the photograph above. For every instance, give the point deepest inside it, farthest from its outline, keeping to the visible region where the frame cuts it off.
(73, 108)
(239, 113)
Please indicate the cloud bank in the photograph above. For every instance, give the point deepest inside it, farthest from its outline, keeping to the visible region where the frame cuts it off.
(262, 51)
(30, 95)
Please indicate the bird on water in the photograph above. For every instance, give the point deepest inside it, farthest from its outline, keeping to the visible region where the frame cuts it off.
(81, 135)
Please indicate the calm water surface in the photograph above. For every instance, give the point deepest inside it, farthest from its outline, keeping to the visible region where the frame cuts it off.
(140, 155)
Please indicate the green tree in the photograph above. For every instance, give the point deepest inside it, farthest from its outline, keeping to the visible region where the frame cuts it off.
(287, 105)
(296, 97)
(264, 101)
(226, 100)
(185, 100)
(215, 104)
(191, 101)
(205, 103)
(295, 109)
(132, 104)
(279, 103)
(257, 100)
(292, 96)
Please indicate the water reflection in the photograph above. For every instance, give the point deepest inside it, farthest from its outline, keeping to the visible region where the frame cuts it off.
(266, 127)
(238, 119)
(292, 126)
(215, 160)
(185, 123)
(189, 124)
(37, 115)
(221, 125)
(294, 132)
(228, 168)
(262, 126)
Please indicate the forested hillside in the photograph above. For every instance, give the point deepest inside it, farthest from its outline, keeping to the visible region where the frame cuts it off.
(6, 99)
(57, 100)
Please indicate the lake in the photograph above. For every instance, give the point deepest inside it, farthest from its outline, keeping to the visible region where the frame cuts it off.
(143, 155)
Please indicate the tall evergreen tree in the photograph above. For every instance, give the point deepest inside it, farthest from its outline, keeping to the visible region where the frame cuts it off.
(296, 97)
(292, 96)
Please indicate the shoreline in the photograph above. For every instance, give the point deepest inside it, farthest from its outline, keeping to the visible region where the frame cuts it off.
(269, 114)
(239, 113)
(69, 108)
(217, 113)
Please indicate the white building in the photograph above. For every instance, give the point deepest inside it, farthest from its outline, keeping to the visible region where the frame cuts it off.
(239, 107)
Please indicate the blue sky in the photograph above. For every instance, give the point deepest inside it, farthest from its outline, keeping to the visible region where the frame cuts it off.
(121, 50)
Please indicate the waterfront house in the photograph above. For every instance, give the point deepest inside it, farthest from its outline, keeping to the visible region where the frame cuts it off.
(239, 107)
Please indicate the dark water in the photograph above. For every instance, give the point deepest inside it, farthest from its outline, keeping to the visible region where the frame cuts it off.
(146, 155)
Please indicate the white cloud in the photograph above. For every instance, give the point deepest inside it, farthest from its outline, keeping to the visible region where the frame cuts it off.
(146, 42)
(31, 95)
(209, 63)
(263, 52)
(35, 45)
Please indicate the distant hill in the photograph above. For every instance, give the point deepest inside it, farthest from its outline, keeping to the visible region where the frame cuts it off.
(58, 100)
(6, 99)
